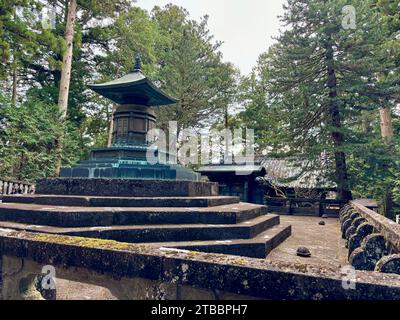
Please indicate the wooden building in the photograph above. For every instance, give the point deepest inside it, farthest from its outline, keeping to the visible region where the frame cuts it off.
(273, 181)
(237, 180)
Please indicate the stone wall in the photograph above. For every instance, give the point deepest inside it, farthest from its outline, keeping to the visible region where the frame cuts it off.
(373, 241)
(134, 271)
(125, 187)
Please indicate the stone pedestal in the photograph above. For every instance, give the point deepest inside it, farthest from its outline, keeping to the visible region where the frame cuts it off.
(126, 188)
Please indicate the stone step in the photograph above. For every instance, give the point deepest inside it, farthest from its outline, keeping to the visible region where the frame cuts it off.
(88, 201)
(125, 187)
(70, 216)
(258, 247)
(161, 233)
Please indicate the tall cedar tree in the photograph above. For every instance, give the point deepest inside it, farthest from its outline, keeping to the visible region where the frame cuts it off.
(179, 54)
(321, 75)
(190, 68)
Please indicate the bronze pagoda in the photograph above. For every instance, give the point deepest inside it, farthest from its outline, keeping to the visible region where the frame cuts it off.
(135, 96)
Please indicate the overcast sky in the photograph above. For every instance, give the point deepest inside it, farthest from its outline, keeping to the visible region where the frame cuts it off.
(245, 26)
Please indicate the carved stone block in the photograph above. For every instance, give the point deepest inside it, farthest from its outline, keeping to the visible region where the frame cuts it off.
(372, 249)
(356, 239)
(389, 264)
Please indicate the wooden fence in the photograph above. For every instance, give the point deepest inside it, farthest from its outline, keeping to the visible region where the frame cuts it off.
(304, 206)
(16, 187)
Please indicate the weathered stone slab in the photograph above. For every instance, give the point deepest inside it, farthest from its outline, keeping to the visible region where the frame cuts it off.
(161, 233)
(90, 201)
(167, 233)
(126, 188)
(258, 247)
(60, 216)
(137, 271)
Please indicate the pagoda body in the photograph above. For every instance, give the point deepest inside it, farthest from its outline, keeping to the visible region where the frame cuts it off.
(135, 96)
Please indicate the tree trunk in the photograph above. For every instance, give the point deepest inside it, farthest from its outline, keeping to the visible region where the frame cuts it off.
(111, 118)
(14, 81)
(365, 123)
(66, 76)
(387, 131)
(387, 204)
(335, 121)
(226, 124)
(387, 134)
(111, 127)
(226, 117)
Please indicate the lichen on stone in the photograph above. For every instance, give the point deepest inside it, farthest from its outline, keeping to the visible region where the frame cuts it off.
(83, 242)
(240, 261)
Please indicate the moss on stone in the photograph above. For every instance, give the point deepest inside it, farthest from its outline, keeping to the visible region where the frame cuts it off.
(192, 254)
(241, 262)
(83, 242)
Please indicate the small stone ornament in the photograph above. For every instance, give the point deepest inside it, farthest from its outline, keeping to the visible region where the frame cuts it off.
(303, 252)
(321, 223)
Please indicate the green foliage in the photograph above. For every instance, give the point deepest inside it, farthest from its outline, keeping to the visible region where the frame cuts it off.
(177, 52)
(27, 140)
(309, 94)
(133, 32)
(291, 99)
(190, 68)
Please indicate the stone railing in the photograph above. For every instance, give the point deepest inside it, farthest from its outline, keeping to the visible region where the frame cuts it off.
(135, 271)
(16, 187)
(373, 241)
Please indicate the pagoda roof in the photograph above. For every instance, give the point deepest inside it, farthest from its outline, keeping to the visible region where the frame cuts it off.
(133, 88)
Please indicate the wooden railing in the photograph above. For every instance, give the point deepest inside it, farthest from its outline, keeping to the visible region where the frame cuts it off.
(305, 206)
(16, 187)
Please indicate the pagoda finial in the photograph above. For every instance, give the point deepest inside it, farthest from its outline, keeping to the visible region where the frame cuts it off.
(138, 63)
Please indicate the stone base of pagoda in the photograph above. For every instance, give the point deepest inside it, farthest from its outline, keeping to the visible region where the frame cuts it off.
(128, 169)
(129, 162)
(136, 153)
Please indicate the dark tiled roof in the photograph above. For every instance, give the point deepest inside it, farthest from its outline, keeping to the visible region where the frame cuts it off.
(133, 88)
(281, 172)
(295, 173)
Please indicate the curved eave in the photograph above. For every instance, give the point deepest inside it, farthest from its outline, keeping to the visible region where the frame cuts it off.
(153, 97)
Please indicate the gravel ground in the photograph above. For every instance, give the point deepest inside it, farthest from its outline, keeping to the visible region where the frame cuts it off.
(325, 242)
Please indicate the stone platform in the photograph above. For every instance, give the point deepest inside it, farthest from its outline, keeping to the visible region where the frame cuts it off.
(143, 272)
(125, 187)
(175, 214)
(324, 242)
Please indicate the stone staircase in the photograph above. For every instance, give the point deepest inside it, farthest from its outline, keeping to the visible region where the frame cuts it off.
(192, 216)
